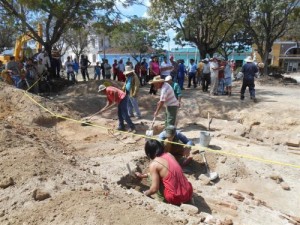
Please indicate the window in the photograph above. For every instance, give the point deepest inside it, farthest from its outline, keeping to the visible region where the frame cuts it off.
(93, 42)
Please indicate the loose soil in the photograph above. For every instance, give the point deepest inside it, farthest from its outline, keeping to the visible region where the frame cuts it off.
(56, 171)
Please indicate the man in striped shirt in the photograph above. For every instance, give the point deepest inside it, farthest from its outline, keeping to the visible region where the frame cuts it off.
(167, 98)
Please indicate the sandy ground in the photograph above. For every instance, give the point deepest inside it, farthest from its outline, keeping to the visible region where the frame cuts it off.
(55, 171)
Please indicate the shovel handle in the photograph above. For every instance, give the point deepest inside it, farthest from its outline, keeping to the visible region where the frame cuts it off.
(153, 122)
(205, 161)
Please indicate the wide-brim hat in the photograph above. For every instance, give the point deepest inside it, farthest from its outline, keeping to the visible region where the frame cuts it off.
(156, 79)
(128, 70)
(101, 88)
(249, 59)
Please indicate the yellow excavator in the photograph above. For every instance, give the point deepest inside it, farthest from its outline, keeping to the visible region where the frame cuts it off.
(19, 50)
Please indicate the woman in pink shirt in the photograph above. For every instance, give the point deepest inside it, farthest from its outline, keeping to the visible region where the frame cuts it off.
(166, 175)
(153, 71)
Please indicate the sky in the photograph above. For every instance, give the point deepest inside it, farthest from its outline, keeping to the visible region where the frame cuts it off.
(141, 11)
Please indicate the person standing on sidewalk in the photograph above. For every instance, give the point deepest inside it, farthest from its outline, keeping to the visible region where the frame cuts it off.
(205, 75)
(131, 88)
(192, 73)
(249, 70)
(214, 73)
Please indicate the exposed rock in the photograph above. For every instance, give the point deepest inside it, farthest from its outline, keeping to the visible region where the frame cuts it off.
(277, 178)
(285, 186)
(190, 209)
(7, 126)
(6, 183)
(227, 222)
(39, 195)
(204, 179)
(194, 152)
(237, 196)
(223, 159)
(228, 205)
(293, 142)
(105, 187)
(245, 192)
(2, 213)
(210, 220)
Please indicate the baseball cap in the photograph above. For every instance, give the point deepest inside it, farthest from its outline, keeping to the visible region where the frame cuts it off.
(168, 78)
(170, 131)
(101, 88)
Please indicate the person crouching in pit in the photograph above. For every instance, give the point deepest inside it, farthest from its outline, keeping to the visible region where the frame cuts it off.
(167, 178)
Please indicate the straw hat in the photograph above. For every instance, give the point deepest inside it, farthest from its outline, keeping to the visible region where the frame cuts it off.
(101, 88)
(128, 70)
(156, 79)
(249, 59)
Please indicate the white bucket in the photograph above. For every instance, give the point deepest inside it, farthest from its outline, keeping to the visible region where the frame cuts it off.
(204, 138)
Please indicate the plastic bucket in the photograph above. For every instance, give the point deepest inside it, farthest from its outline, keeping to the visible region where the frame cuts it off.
(204, 138)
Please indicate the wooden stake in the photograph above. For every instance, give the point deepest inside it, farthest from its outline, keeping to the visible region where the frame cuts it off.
(209, 121)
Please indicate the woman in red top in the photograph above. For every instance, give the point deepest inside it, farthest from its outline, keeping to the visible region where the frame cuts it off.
(166, 175)
(153, 72)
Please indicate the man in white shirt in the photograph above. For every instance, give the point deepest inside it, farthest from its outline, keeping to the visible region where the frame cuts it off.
(167, 98)
(214, 72)
(165, 68)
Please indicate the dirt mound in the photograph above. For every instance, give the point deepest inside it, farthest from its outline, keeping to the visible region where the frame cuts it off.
(277, 80)
(89, 87)
(55, 171)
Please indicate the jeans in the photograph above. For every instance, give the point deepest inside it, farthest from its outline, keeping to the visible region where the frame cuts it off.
(180, 82)
(16, 79)
(221, 86)
(55, 64)
(123, 114)
(84, 73)
(251, 85)
(192, 76)
(133, 105)
(205, 81)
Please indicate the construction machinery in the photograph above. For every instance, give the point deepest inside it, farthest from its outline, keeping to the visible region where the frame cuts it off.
(19, 46)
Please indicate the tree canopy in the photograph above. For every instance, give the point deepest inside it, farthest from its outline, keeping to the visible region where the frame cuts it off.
(266, 21)
(203, 23)
(56, 17)
(139, 37)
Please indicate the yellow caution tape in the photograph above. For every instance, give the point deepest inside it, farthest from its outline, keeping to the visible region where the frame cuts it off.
(250, 157)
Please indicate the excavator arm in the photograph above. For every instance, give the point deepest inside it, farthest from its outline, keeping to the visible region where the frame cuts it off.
(18, 52)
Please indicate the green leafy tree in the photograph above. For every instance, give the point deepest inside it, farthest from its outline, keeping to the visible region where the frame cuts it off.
(266, 21)
(140, 37)
(7, 30)
(56, 17)
(293, 31)
(237, 41)
(77, 40)
(203, 23)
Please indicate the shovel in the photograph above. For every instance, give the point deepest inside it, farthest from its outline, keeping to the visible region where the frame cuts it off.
(149, 133)
(211, 175)
(87, 121)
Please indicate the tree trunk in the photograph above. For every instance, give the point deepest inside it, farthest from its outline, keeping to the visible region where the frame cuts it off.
(266, 63)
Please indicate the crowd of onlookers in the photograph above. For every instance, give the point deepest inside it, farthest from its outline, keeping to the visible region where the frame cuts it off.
(212, 75)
